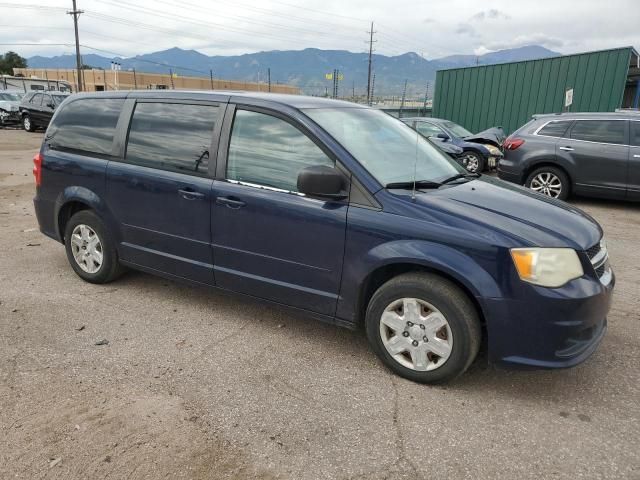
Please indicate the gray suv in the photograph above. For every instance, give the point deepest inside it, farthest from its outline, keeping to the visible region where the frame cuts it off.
(591, 154)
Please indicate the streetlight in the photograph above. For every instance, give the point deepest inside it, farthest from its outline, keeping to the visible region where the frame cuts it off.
(116, 67)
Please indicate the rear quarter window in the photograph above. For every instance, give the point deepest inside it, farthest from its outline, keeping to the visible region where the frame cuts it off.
(86, 125)
(555, 129)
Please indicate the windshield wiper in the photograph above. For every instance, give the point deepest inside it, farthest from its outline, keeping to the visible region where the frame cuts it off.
(459, 176)
(409, 184)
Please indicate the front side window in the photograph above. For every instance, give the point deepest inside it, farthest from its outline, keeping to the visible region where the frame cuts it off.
(86, 125)
(390, 150)
(265, 150)
(554, 129)
(428, 129)
(172, 136)
(36, 99)
(601, 131)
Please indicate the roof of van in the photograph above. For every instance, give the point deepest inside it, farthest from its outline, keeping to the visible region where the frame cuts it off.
(295, 101)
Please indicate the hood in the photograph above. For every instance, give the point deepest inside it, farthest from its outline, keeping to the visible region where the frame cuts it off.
(9, 106)
(494, 207)
(494, 136)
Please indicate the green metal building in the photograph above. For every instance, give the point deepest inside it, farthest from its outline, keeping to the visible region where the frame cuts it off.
(508, 94)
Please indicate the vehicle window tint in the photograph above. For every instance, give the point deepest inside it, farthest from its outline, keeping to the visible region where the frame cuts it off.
(428, 129)
(268, 151)
(603, 131)
(36, 99)
(86, 125)
(554, 129)
(635, 134)
(172, 136)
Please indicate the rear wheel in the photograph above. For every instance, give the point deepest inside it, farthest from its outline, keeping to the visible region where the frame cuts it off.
(423, 327)
(90, 249)
(550, 181)
(28, 124)
(473, 162)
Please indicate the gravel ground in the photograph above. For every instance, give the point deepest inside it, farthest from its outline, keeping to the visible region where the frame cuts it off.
(196, 384)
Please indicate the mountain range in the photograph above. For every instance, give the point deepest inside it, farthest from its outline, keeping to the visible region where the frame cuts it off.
(304, 68)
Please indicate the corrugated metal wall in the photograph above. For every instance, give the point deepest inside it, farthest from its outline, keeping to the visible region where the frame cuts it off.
(508, 94)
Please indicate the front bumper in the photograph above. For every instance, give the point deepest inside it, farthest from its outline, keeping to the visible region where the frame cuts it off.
(550, 328)
(9, 118)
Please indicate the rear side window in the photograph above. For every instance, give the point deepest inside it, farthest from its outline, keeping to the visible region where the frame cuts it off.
(268, 151)
(172, 136)
(635, 134)
(86, 125)
(601, 131)
(554, 129)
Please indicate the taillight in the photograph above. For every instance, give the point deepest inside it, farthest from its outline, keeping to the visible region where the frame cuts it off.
(511, 143)
(37, 168)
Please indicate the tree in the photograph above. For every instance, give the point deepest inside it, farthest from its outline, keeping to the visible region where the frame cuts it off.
(11, 60)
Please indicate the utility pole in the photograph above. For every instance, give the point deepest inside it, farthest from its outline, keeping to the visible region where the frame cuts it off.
(369, 84)
(404, 96)
(171, 77)
(426, 96)
(373, 87)
(211, 77)
(335, 83)
(135, 80)
(76, 13)
(269, 78)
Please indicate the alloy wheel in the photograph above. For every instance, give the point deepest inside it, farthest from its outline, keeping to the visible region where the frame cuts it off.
(416, 334)
(547, 183)
(470, 162)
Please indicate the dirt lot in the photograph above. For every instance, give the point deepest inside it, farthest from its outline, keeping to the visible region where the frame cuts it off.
(195, 384)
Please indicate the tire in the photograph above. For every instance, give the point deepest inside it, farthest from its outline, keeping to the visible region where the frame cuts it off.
(437, 297)
(473, 162)
(88, 268)
(550, 181)
(27, 123)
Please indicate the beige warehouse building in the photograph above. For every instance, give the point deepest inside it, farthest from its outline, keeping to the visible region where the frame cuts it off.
(98, 80)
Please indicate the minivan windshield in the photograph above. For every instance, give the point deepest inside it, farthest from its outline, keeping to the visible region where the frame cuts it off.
(390, 150)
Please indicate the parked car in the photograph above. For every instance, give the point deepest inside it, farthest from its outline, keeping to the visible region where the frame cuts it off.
(592, 154)
(36, 108)
(9, 107)
(480, 151)
(330, 208)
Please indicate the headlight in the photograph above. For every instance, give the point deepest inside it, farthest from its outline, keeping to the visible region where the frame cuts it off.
(495, 151)
(547, 267)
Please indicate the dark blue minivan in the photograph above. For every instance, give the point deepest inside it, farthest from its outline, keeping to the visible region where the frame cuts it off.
(331, 208)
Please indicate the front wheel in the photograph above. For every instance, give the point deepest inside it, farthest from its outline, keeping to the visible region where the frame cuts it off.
(28, 124)
(473, 162)
(90, 249)
(423, 327)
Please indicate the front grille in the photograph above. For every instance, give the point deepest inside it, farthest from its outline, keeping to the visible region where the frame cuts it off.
(599, 258)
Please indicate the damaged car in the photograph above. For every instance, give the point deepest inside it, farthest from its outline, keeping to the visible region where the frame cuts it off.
(480, 151)
(9, 107)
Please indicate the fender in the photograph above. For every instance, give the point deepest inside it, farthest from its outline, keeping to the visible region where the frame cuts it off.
(85, 196)
(434, 256)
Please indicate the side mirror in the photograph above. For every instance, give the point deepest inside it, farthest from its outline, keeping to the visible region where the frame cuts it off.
(443, 136)
(322, 181)
(50, 105)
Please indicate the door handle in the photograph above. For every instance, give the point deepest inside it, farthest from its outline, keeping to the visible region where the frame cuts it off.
(567, 149)
(189, 194)
(230, 202)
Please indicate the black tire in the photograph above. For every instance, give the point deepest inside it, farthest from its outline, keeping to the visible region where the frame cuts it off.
(458, 310)
(565, 183)
(476, 163)
(110, 269)
(27, 123)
